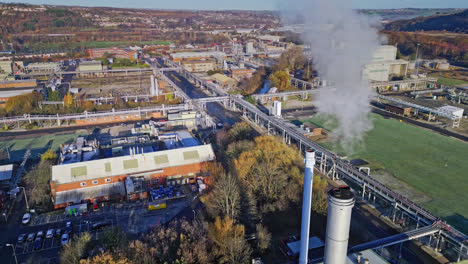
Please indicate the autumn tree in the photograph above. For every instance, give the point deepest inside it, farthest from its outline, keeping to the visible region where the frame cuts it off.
(68, 100)
(240, 131)
(74, 251)
(225, 200)
(229, 242)
(271, 171)
(254, 83)
(263, 237)
(54, 96)
(280, 79)
(319, 195)
(50, 154)
(106, 258)
(292, 59)
(179, 242)
(24, 103)
(37, 184)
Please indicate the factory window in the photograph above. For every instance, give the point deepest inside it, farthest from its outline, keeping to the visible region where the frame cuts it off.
(161, 159)
(82, 184)
(108, 166)
(95, 182)
(108, 180)
(130, 164)
(191, 155)
(79, 171)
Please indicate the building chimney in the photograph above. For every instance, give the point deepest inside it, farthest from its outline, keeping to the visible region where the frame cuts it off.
(152, 92)
(340, 204)
(306, 205)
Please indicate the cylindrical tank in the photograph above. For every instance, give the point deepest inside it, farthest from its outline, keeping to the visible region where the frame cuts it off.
(340, 204)
(306, 205)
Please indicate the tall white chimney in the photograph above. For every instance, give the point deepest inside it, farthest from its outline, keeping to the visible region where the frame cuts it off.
(152, 85)
(306, 205)
(340, 204)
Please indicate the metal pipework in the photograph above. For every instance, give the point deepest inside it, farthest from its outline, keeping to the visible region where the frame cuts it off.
(340, 204)
(306, 205)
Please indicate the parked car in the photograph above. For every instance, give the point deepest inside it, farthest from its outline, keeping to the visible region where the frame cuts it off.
(21, 238)
(26, 218)
(58, 232)
(38, 243)
(65, 238)
(100, 225)
(31, 236)
(68, 228)
(40, 234)
(50, 233)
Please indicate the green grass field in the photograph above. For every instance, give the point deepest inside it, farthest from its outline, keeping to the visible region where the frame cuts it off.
(449, 81)
(38, 145)
(434, 164)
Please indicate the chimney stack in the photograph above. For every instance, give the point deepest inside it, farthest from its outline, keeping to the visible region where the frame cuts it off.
(306, 205)
(340, 204)
(152, 85)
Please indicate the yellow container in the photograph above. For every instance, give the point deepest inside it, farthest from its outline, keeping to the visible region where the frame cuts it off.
(152, 207)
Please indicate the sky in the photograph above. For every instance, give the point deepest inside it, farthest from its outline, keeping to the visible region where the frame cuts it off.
(244, 4)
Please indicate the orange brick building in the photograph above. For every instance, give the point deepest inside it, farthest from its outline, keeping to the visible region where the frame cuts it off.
(241, 73)
(101, 179)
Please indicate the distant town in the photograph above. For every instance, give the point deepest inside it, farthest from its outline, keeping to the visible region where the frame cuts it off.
(162, 136)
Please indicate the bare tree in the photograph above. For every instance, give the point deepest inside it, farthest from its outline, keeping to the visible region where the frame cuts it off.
(225, 198)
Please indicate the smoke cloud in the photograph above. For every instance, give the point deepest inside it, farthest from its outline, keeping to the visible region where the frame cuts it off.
(341, 43)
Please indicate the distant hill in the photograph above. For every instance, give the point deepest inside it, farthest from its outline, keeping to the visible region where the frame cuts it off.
(389, 15)
(457, 22)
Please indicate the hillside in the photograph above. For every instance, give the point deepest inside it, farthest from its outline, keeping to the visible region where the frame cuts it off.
(457, 22)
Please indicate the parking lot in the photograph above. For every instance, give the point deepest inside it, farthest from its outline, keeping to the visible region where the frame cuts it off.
(50, 247)
(133, 218)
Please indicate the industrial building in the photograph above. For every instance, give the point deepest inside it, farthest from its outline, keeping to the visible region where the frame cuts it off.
(224, 81)
(6, 171)
(241, 73)
(114, 52)
(43, 67)
(179, 56)
(90, 66)
(199, 65)
(384, 65)
(81, 177)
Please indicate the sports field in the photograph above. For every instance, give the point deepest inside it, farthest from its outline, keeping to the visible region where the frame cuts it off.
(38, 145)
(431, 163)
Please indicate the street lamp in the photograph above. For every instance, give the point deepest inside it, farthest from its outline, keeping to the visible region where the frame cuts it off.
(14, 251)
(25, 197)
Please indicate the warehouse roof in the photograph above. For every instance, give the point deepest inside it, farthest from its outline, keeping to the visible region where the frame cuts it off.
(94, 169)
(5, 172)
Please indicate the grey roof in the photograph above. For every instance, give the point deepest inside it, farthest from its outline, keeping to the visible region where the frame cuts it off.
(77, 195)
(5, 172)
(103, 168)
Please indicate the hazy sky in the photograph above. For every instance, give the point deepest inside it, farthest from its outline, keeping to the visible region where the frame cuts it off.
(243, 4)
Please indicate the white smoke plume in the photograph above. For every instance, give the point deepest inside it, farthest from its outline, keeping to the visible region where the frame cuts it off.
(341, 43)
